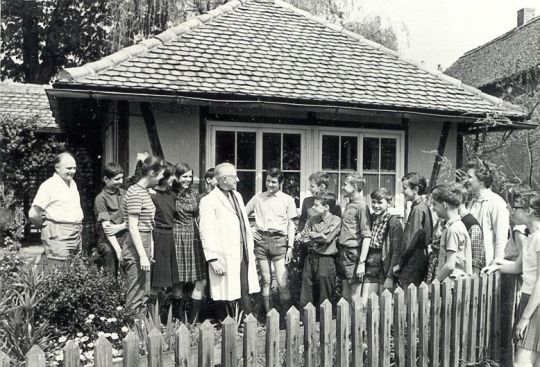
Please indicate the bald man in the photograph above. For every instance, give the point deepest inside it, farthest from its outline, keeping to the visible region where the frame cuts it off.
(57, 210)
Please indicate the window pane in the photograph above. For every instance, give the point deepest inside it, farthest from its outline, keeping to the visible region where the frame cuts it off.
(389, 181)
(349, 152)
(291, 186)
(246, 149)
(330, 152)
(291, 152)
(372, 183)
(246, 186)
(271, 151)
(225, 147)
(371, 154)
(388, 154)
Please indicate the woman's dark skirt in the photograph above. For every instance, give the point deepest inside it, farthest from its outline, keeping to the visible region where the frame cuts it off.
(165, 268)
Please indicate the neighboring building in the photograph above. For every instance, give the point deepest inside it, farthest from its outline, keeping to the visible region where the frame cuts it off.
(260, 83)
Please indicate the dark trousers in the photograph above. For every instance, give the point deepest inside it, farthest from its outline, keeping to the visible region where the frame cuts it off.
(107, 258)
(318, 279)
(244, 301)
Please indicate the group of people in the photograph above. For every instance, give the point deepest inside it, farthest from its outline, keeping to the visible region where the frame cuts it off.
(166, 234)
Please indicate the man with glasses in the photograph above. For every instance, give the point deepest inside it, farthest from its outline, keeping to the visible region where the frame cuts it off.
(227, 241)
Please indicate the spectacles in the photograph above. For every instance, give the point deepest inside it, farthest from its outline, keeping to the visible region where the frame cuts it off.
(518, 207)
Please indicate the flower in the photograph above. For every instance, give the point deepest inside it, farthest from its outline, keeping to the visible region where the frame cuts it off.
(91, 316)
(59, 357)
(125, 329)
(112, 319)
(114, 336)
(119, 308)
(80, 335)
(102, 318)
(90, 345)
(62, 339)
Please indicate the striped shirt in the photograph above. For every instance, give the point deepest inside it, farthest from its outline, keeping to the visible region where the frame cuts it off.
(137, 201)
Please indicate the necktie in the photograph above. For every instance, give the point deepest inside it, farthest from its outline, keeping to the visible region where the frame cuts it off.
(243, 229)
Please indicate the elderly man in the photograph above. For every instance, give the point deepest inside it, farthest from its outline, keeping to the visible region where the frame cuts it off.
(227, 241)
(57, 210)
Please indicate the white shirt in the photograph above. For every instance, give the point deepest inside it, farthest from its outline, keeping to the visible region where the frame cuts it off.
(531, 248)
(60, 202)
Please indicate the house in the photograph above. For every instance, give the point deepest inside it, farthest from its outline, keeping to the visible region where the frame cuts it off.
(260, 83)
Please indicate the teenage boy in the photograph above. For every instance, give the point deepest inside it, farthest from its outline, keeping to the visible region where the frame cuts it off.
(108, 210)
(354, 237)
(210, 183)
(320, 233)
(318, 183)
(274, 235)
(455, 256)
(473, 228)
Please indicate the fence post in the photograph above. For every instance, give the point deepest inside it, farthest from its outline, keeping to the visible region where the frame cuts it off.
(489, 311)
(250, 341)
(35, 357)
(72, 355)
(412, 319)
(423, 324)
(228, 343)
(206, 345)
(385, 302)
(446, 324)
(455, 337)
(102, 352)
(293, 338)
(130, 345)
(342, 333)
(309, 335)
(496, 318)
(465, 318)
(182, 347)
(474, 332)
(357, 331)
(272, 338)
(435, 321)
(373, 330)
(482, 309)
(155, 348)
(399, 326)
(5, 361)
(326, 334)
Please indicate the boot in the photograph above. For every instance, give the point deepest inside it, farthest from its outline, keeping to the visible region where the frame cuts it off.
(267, 304)
(178, 308)
(195, 310)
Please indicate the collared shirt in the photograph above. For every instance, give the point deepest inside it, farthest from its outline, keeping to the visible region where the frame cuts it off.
(455, 237)
(355, 223)
(491, 212)
(272, 211)
(531, 248)
(137, 201)
(60, 201)
(307, 211)
(108, 207)
(322, 233)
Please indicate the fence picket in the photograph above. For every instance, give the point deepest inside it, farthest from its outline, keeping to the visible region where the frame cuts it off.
(5, 361)
(373, 330)
(72, 355)
(412, 319)
(357, 334)
(489, 308)
(446, 322)
(385, 302)
(182, 347)
(155, 348)
(206, 345)
(326, 334)
(310, 348)
(293, 338)
(472, 349)
(435, 321)
(342, 333)
(35, 357)
(455, 337)
(272, 338)
(228, 342)
(250, 341)
(130, 345)
(465, 318)
(399, 326)
(496, 317)
(102, 352)
(482, 309)
(423, 324)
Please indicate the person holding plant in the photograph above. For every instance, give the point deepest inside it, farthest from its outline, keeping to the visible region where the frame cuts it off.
(139, 211)
(526, 209)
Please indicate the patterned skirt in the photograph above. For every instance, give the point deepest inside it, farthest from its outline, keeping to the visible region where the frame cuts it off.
(189, 254)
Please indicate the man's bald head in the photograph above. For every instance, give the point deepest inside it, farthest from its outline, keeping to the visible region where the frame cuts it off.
(225, 174)
(65, 166)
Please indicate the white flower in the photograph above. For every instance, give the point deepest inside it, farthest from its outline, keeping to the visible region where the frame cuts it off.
(59, 357)
(102, 318)
(88, 321)
(125, 329)
(119, 308)
(90, 345)
(84, 339)
(80, 335)
(100, 333)
(62, 339)
(107, 335)
(91, 316)
(112, 319)
(115, 353)
(89, 354)
(114, 336)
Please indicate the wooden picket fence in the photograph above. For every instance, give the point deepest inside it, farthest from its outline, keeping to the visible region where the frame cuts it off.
(455, 323)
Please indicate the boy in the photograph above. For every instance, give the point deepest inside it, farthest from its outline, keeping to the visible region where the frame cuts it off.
(455, 256)
(209, 181)
(320, 232)
(354, 237)
(274, 235)
(318, 183)
(473, 228)
(108, 210)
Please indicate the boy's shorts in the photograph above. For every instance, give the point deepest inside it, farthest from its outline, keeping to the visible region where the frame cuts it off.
(272, 246)
(347, 262)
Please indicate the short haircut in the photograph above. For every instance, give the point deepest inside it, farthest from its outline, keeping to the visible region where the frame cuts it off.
(320, 178)
(517, 191)
(356, 179)
(460, 190)
(380, 194)
(530, 200)
(167, 173)
(152, 163)
(417, 181)
(275, 172)
(326, 198)
(112, 169)
(482, 170)
(209, 173)
(58, 158)
(442, 194)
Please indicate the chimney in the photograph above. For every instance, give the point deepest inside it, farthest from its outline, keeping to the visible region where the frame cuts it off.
(524, 15)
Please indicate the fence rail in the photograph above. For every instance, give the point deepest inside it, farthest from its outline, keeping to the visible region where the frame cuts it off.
(449, 324)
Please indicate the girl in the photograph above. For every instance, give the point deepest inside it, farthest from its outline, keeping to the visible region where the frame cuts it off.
(189, 252)
(526, 209)
(139, 213)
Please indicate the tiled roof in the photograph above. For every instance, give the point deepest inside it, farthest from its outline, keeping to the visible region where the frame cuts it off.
(514, 52)
(27, 100)
(269, 50)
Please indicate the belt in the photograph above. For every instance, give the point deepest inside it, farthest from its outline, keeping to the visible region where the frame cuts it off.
(317, 254)
(57, 222)
(268, 233)
(168, 228)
